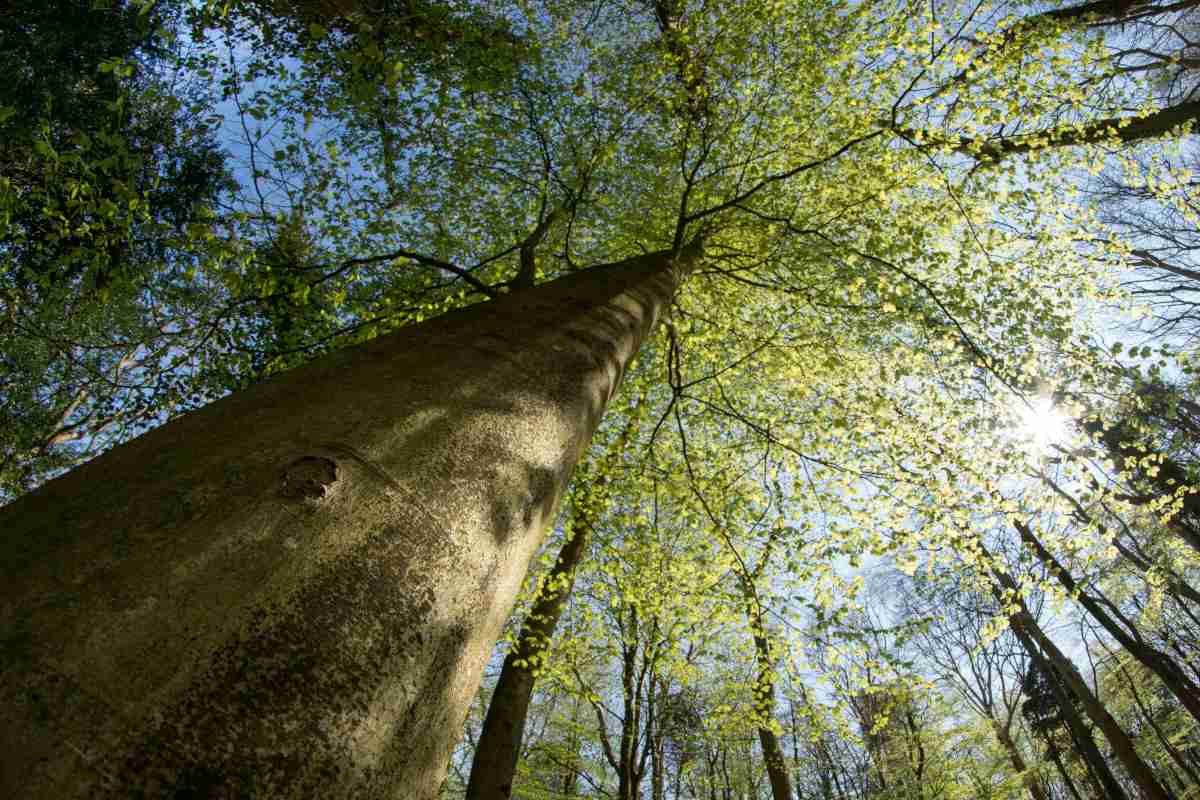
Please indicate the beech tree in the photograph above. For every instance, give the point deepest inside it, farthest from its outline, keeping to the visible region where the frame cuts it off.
(293, 591)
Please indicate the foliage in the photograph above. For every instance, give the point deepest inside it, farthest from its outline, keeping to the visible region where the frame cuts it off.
(107, 186)
(902, 261)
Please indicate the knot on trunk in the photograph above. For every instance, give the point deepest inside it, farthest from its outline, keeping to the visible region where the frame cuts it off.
(310, 478)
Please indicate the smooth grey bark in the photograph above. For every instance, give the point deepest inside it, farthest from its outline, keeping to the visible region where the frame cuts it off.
(292, 592)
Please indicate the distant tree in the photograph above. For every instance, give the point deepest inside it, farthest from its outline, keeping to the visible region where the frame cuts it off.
(108, 181)
(985, 669)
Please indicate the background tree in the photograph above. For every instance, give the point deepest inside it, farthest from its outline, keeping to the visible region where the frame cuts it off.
(109, 180)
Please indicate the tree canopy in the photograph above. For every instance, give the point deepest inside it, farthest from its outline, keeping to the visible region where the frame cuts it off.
(924, 407)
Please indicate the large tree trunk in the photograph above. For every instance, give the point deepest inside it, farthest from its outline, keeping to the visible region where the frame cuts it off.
(293, 591)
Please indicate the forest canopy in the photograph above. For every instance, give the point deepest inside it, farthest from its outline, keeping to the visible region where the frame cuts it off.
(898, 498)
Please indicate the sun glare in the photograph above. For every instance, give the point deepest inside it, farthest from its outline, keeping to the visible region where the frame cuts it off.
(1042, 424)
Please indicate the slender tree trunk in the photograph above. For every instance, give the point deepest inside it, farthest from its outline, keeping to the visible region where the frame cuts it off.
(494, 764)
(764, 691)
(778, 773)
(1065, 774)
(1163, 740)
(571, 769)
(495, 761)
(658, 766)
(1104, 782)
(1128, 130)
(1018, 761)
(1174, 584)
(1167, 479)
(1066, 689)
(727, 790)
(1043, 650)
(1160, 664)
(293, 591)
(628, 781)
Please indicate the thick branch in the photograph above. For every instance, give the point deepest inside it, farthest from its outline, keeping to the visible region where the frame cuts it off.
(1124, 129)
(528, 271)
